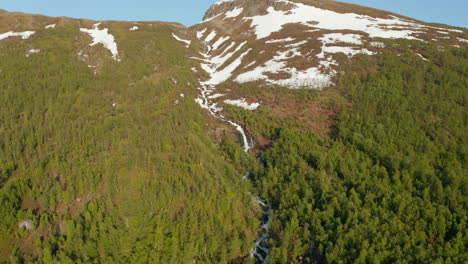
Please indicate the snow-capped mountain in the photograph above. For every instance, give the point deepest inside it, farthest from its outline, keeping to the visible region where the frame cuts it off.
(301, 44)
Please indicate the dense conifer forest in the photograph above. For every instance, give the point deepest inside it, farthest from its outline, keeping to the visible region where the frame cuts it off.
(113, 167)
(390, 185)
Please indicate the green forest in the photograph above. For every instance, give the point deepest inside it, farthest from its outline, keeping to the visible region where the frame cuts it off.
(113, 167)
(390, 185)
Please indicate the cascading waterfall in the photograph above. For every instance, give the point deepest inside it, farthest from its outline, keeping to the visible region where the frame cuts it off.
(260, 251)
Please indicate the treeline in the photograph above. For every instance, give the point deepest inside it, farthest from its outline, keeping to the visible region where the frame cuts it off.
(391, 186)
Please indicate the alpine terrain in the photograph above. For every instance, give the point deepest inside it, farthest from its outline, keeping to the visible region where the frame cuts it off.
(274, 131)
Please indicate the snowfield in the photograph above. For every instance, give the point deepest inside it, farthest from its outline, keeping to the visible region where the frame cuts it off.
(279, 64)
(265, 25)
(102, 36)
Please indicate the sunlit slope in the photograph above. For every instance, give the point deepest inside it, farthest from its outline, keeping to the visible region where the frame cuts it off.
(106, 154)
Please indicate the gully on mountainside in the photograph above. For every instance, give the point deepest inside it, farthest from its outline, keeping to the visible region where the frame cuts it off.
(260, 251)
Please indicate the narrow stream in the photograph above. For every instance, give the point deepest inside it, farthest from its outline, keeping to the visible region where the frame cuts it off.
(207, 89)
(260, 251)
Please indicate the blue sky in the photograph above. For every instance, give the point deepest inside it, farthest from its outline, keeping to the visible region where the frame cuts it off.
(189, 12)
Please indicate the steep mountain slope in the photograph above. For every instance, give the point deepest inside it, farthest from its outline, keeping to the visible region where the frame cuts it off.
(301, 44)
(103, 154)
(132, 142)
(385, 182)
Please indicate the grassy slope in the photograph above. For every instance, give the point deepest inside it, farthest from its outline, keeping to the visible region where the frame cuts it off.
(135, 183)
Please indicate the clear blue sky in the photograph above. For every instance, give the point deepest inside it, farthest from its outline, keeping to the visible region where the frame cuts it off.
(189, 12)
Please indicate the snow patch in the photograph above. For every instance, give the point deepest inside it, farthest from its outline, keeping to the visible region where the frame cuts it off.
(218, 77)
(333, 38)
(311, 77)
(32, 51)
(462, 40)
(187, 42)
(422, 57)
(243, 103)
(201, 33)
(210, 36)
(134, 28)
(52, 26)
(234, 13)
(289, 39)
(219, 42)
(23, 35)
(300, 43)
(214, 96)
(250, 64)
(216, 62)
(103, 37)
(375, 44)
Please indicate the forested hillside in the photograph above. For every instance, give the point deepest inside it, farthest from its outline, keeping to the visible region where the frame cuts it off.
(112, 166)
(390, 185)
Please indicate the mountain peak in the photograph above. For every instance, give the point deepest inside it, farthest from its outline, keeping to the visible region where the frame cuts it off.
(301, 43)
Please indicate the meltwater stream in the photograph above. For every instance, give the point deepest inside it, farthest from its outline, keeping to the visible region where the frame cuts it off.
(212, 64)
(260, 251)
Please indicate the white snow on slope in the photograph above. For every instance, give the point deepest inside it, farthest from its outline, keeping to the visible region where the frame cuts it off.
(274, 21)
(341, 38)
(52, 26)
(219, 42)
(293, 45)
(376, 44)
(242, 103)
(422, 57)
(218, 77)
(289, 39)
(200, 33)
(350, 52)
(334, 38)
(462, 40)
(210, 36)
(316, 77)
(278, 64)
(214, 63)
(187, 42)
(32, 51)
(134, 28)
(103, 37)
(234, 13)
(250, 64)
(214, 96)
(23, 35)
